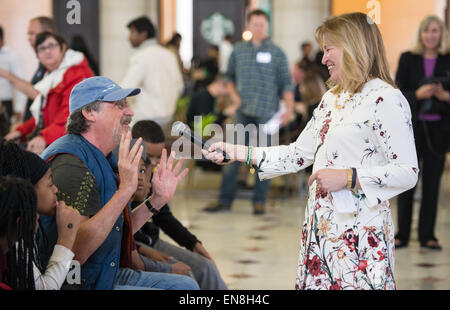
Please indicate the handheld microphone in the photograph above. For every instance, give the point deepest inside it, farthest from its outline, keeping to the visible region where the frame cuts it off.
(181, 129)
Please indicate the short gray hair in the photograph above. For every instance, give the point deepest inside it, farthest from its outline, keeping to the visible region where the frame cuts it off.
(77, 123)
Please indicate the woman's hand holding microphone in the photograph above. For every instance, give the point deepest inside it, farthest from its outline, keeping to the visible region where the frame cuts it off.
(234, 152)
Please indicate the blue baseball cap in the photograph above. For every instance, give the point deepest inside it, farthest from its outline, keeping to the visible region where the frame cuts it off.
(98, 88)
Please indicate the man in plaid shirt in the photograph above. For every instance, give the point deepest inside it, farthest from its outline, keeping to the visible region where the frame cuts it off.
(258, 76)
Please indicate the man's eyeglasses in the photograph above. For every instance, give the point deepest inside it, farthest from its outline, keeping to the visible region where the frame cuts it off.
(50, 46)
(121, 104)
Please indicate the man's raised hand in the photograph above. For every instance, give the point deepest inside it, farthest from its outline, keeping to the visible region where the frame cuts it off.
(166, 178)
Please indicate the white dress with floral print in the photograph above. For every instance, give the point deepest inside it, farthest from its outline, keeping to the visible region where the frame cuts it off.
(372, 133)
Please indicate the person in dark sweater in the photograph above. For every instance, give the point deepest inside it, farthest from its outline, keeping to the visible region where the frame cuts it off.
(203, 102)
(422, 76)
(154, 260)
(150, 245)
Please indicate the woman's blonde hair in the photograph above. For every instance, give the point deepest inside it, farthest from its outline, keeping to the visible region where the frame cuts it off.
(419, 48)
(363, 54)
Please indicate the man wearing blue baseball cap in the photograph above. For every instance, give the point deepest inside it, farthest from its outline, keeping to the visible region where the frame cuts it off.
(100, 184)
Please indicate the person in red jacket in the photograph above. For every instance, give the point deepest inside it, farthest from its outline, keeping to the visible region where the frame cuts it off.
(50, 108)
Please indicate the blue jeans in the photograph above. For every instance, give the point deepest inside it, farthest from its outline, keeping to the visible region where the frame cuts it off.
(205, 271)
(230, 172)
(129, 279)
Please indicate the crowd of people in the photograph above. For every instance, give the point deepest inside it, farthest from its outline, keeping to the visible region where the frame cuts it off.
(86, 177)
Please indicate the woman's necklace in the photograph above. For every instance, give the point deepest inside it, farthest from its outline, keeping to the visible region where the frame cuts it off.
(341, 106)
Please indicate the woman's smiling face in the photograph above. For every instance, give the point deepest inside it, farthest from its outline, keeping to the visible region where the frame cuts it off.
(50, 53)
(332, 55)
(431, 36)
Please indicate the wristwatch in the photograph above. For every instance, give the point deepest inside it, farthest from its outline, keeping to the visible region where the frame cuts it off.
(150, 207)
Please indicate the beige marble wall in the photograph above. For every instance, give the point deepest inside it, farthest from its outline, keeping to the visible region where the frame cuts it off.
(294, 21)
(14, 18)
(115, 49)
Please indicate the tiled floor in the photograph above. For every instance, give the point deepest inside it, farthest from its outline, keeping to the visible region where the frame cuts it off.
(256, 253)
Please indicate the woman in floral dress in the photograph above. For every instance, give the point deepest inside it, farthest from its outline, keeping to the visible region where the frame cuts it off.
(361, 144)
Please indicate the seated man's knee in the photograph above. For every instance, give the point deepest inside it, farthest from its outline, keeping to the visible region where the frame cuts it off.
(186, 283)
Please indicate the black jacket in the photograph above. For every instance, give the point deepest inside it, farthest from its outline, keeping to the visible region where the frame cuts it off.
(149, 233)
(203, 103)
(411, 73)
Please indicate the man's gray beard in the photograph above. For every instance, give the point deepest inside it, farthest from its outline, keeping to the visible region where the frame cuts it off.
(117, 134)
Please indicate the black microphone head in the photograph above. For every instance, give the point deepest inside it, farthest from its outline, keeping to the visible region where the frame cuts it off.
(178, 128)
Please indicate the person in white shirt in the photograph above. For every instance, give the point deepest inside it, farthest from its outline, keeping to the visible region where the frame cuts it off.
(360, 142)
(155, 70)
(12, 100)
(24, 208)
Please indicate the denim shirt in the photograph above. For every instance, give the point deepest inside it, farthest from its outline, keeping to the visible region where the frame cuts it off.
(100, 269)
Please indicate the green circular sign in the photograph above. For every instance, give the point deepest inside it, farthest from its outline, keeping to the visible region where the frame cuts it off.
(215, 27)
